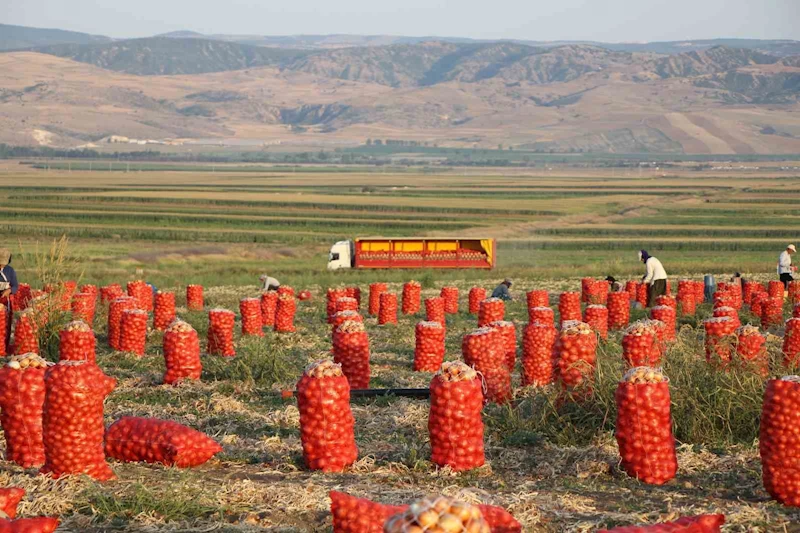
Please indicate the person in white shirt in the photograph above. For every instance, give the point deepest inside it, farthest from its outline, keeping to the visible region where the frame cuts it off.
(785, 267)
(268, 283)
(655, 277)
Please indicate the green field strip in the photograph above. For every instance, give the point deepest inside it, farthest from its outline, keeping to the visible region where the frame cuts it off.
(667, 219)
(666, 232)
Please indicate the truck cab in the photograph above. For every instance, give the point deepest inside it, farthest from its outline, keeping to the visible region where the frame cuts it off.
(342, 255)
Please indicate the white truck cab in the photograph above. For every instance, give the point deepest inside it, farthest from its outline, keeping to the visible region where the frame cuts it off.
(342, 255)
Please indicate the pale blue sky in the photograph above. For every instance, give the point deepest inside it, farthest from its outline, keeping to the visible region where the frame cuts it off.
(599, 20)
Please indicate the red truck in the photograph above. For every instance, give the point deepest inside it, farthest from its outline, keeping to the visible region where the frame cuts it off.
(413, 253)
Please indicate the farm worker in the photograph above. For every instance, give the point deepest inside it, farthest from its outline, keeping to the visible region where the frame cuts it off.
(501, 291)
(785, 267)
(655, 277)
(268, 283)
(613, 284)
(8, 286)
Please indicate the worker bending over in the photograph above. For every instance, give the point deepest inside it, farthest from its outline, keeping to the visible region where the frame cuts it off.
(268, 283)
(655, 277)
(501, 291)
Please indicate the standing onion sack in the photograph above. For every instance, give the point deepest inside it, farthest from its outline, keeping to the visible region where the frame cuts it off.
(640, 345)
(577, 357)
(508, 334)
(491, 310)
(284, 313)
(250, 311)
(778, 440)
(164, 310)
(115, 310)
(429, 346)
(387, 313)
(133, 332)
(76, 342)
(475, 297)
(751, 350)
(22, 393)
(331, 297)
(434, 310)
(537, 298)
(720, 341)
(619, 310)
(412, 298)
(83, 307)
(142, 293)
(220, 332)
(375, 290)
(351, 350)
(597, 317)
(269, 303)
(26, 333)
(450, 295)
(194, 297)
(538, 342)
(181, 353)
(569, 307)
(483, 349)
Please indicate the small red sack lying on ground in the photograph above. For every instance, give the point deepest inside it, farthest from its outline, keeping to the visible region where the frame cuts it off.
(40, 524)
(359, 515)
(150, 440)
(9, 499)
(707, 523)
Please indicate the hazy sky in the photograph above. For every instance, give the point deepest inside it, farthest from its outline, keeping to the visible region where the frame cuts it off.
(599, 20)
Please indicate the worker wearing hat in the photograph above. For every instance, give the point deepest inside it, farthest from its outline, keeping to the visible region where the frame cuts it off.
(785, 267)
(8, 287)
(501, 291)
(268, 283)
(655, 277)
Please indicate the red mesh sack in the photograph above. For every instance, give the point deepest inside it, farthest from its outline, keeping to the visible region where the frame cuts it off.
(133, 332)
(450, 295)
(434, 310)
(791, 342)
(720, 340)
(545, 315)
(142, 293)
(640, 345)
(62, 292)
(4, 314)
(343, 316)
(220, 332)
(794, 285)
(475, 297)
(483, 350)
(181, 353)
(597, 317)
(89, 289)
(619, 310)
(115, 310)
(686, 297)
(351, 350)
(326, 422)
(538, 342)
(577, 356)
(133, 439)
(412, 298)
(250, 310)
(644, 426)
(776, 289)
(40, 524)
(346, 304)
(778, 441)
(26, 333)
(796, 310)
(164, 310)
(10, 498)
(757, 303)
(598, 293)
(354, 292)
(269, 303)
(438, 514)
(632, 288)
(661, 334)
(284, 313)
(751, 349)
(23, 296)
(666, 314)
(455, 425)
(73, 420)
(700, 291)
(707, 523)
(538, 298)
(641, 294)
(747, 291)
(387, 313)
(508, 334)
(729, 312)
(286, 290)
(109, 293)
(83, 307)
(491, 310)
(668, 301)
(194, 297)
(724, 298)
(375, 290)
(331, 297)
(569, 306)
(76, 342)
(772, 312)
(429, 346)
(21, 400)
(586, 289)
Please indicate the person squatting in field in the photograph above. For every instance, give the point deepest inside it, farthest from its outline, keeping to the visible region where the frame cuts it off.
(613, 284)
(8, 287)
(655, 277)
(502, 292)
(268, 283)
(785, 267)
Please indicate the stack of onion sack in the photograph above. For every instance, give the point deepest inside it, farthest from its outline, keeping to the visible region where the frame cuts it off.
(644, 426)
(454, 423)
(661, 333)
(3, 330)
(434, 310)
(586, 288)
(793, 291)
(429, 347)
(640, 345)
(720, 339)
(109, 293)
(142, 293)
(286, 290)
(351, 350)
(284, 313)
(412, 298)
(699, 291)
(545, 315)
(26, 333)
(538, 341)
(164, 311)
(791, 342)
(118, 306)
(576, 349)
(23, 297)
(475, 297)
(73, 420)
(751, 349)
(150, 440)
(491, 310)
(450, 295)
(9, 500)
(437, 513)
(537, 298)
(632, 288)
(686, 297)
(133, 331)
(21, 399)
(757, 303)
(375, 290)
(778, 442)
(346, 303)
(250, 310)
(508, 335)
(729, 312)
(387, 313)
(598, 293)
(724, 298)
(597, 317)
(326, 422)
(181, 353)
(569, 306)
(331, 297)
(354, 292)
(747, 291)
(76, 342)
(83, 307)
(343, 316)
(194, 297)
(483, 350)
(796, 310)
(775, 289)
(641, 294)
(269, 303)
(706, 523)
(359, 515)
(666, 314)
(220, 332)
(619, 310)
(772, 312)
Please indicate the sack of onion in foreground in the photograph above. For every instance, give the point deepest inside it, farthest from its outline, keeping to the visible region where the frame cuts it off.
(9, 523)
(778, 440)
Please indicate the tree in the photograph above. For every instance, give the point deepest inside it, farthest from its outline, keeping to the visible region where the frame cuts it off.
(369, 142)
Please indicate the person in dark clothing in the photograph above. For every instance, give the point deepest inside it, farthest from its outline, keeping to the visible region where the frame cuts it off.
(8, 287)
(613, 284)
(501, 291)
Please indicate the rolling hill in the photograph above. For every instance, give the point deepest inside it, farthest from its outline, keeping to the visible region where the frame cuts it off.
(21, 37)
